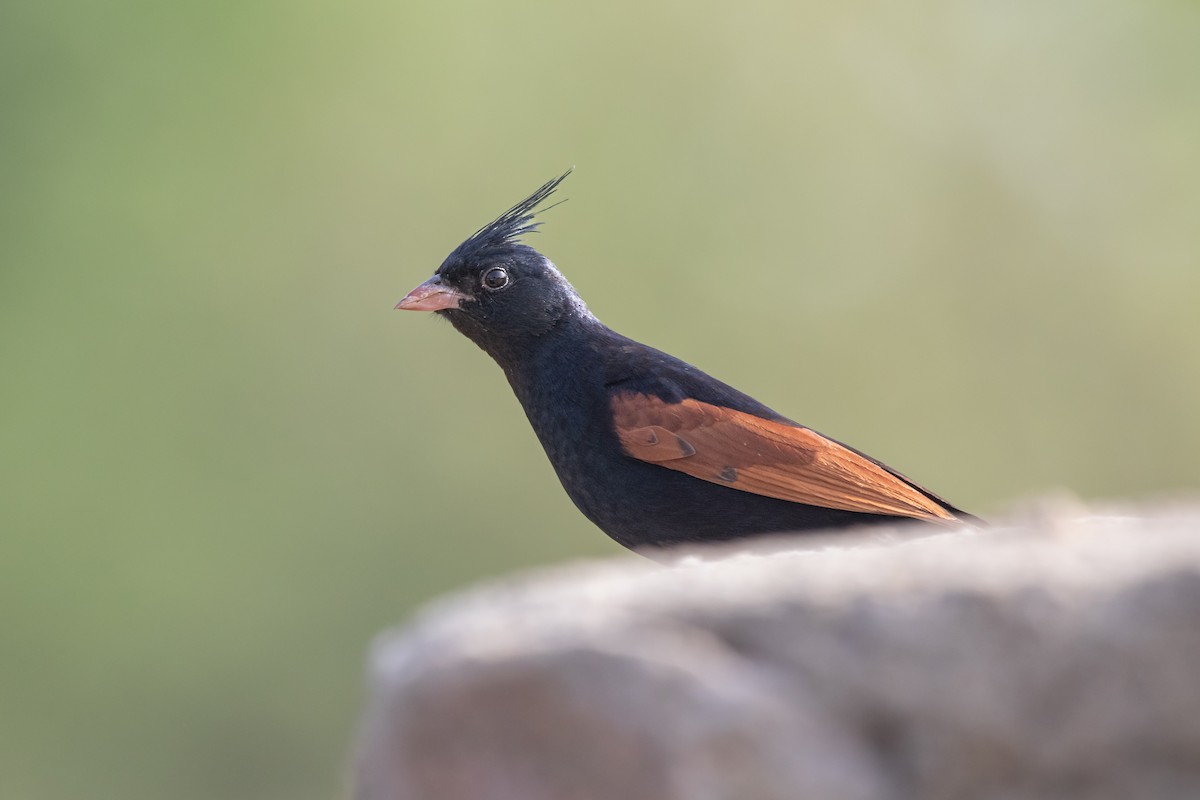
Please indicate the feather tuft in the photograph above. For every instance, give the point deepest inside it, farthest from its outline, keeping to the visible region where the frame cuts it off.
(509, 227)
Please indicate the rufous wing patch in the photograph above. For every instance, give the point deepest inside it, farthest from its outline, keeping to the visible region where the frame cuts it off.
(762, 456)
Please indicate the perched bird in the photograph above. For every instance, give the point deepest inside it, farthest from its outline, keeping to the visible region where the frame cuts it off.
(652, 450)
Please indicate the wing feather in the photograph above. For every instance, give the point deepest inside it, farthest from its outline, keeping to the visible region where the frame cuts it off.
(762, 456)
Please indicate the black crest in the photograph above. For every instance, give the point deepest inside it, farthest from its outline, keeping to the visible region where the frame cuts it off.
(510, 226)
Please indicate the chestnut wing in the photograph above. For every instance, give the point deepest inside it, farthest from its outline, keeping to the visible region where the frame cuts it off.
(739, 450)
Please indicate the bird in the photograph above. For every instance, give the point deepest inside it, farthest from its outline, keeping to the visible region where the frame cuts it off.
(655, 452)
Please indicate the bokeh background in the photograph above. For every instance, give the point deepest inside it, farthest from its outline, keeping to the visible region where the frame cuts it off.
(961, 236)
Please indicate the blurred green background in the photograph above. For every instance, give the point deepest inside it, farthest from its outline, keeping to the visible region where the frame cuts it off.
(961, 236)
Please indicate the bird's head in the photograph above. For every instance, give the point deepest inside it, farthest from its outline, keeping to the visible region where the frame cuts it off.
(497, 291)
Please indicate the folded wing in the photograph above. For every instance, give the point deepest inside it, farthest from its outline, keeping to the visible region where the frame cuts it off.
(763, 456)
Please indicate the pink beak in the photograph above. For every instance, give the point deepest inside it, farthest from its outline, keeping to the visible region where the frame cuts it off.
(432, 295)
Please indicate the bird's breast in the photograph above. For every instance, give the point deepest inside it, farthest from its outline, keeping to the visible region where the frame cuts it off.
(566, 403)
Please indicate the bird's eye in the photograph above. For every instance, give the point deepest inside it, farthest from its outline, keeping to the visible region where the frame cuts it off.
(495, 278)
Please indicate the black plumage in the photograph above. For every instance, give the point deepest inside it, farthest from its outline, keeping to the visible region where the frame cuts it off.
(652, 450)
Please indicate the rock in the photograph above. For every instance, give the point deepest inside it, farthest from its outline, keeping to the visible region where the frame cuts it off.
(1052, 658)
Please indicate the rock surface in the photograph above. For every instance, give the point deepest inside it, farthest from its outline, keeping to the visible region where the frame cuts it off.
(1058, 657)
